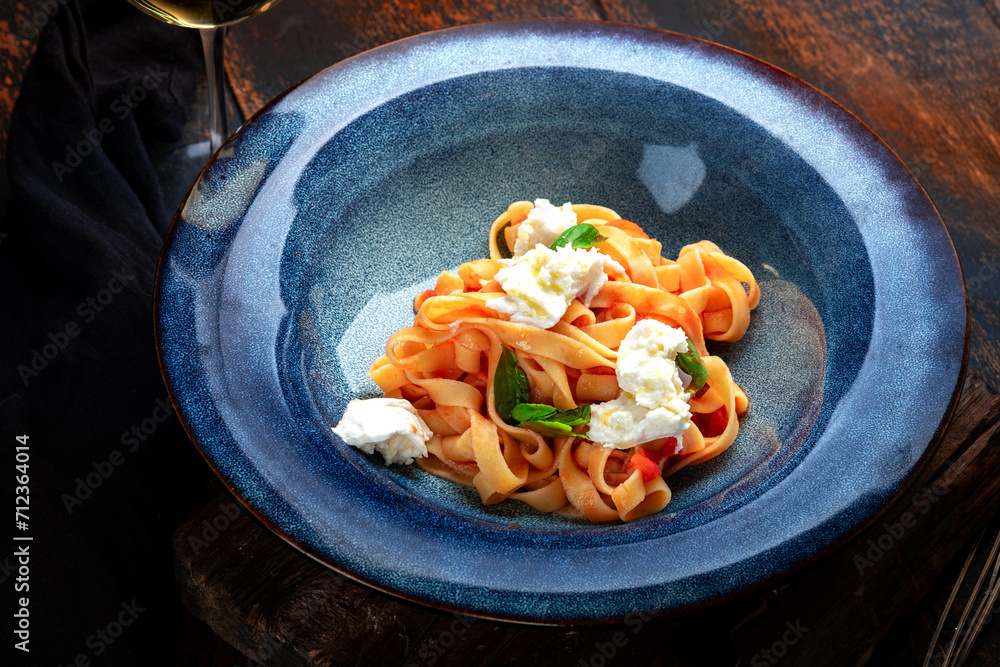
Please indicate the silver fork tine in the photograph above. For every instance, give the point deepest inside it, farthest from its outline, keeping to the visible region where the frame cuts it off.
(984, 606)
(951, 599)
(965, 611)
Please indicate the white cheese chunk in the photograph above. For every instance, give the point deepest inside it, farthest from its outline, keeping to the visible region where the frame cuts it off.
(623, 424)
(653, 403)
(389, 425)
(544, 224)
(646, 368)
(541, 284)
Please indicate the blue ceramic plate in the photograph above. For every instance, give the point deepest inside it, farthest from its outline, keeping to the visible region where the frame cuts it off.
(299, 249)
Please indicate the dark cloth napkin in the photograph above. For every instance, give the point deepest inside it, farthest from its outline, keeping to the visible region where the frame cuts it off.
(111, 473)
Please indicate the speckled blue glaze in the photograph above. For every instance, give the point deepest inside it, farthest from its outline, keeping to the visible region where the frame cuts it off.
(302, 244)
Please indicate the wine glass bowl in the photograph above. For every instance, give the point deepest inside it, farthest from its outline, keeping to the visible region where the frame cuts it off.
(203, 13)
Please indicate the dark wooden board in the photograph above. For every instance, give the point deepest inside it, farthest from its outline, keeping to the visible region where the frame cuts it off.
(350, 28)
(281, 608)
(906, 644)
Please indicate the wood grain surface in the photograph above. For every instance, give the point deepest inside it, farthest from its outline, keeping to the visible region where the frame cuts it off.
(283, 609)
(356, 26)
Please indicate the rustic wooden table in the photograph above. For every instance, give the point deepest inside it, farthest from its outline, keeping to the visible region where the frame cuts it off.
(924, 75)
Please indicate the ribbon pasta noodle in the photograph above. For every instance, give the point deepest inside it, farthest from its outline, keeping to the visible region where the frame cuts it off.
(445, 365)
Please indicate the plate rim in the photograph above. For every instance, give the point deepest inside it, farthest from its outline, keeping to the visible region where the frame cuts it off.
(782, 75)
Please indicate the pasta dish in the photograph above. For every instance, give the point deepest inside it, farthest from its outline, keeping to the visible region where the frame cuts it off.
(568, 370)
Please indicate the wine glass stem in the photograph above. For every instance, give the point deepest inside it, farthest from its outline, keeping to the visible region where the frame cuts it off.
(213, 40)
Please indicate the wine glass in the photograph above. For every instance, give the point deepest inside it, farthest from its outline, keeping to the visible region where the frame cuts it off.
(211, 17)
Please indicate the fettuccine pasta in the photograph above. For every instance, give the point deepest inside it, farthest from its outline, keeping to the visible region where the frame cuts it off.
(445, 367)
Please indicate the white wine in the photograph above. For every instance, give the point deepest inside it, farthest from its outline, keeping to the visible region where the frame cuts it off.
(203, 13)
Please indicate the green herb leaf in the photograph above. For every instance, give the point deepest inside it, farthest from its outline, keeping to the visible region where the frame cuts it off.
(691, 363)
(546, 420)
(530, 412)
(502, 243)
(578, 416)
(583, 235)
(510, 386)
(554, 429)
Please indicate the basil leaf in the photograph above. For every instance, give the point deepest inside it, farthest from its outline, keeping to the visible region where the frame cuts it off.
(531, 412)
(583, 235)
(578, 416)
(546, 420)
(554, 429)
(536, 412)
(510, 386)
(691, 363)
(502, 243)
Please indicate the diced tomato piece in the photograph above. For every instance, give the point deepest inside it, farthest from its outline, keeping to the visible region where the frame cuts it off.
(719, 421)
(647, 467)
(666, 450)
(712, 424)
